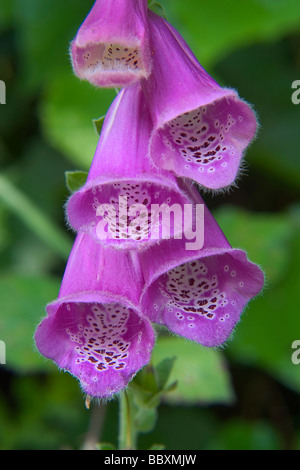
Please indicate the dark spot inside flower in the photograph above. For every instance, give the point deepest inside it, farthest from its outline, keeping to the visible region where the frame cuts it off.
(208, 154)
(92, 359)
(120, 366)
(190, 309)
(100, 351)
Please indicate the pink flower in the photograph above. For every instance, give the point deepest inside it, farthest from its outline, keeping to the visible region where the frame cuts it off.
(115, 204)
(111, 48)
(200, 129)
(95, 329)
(199, 294)
(173, 123)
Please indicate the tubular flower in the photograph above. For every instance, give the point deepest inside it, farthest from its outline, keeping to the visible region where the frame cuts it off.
(111, 48)
(116, 204)
(94, 329)
(200, 129)
(199, 294)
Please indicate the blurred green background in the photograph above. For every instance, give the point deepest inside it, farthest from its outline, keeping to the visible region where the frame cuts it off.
(245, 396)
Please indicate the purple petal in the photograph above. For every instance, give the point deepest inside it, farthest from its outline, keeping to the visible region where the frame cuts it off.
(101, 343)
(95, 329)
(115, 204)
(200, 129)
(111, 48)
(199, 294)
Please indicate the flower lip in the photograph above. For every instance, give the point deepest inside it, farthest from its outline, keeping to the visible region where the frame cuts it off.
(206, 143)
(109, 65)
(202, 299)
(128, 214)
(112, 48)
(103, 342)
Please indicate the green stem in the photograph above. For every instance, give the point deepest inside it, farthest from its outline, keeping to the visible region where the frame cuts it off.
(127, 433)
(34, 218)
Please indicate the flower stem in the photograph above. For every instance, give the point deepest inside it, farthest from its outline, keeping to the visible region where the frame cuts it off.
(93, 435)
(127, 433)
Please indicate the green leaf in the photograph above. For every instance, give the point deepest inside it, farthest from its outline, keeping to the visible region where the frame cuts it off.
(157, 8)
(67, 122)
(44, 31)
(145, 418)
(150, 384)
(238, 434)
(145, 394)
(23, 301)
(201, 374)
(265, 335)
(98, 123)
(237, 23)
(50, 414)
(265, 72)
(265, 237)
(162, 372)
(6, 14)
(75, 180)
(145, 380)
(4, 233)
(105, 446)
(34, 218)
(157, 447)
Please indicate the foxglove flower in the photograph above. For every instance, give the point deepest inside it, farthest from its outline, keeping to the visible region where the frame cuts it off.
(94, 329)
(200, 128)
(111, 48)
(199, 294)
(115, 206)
